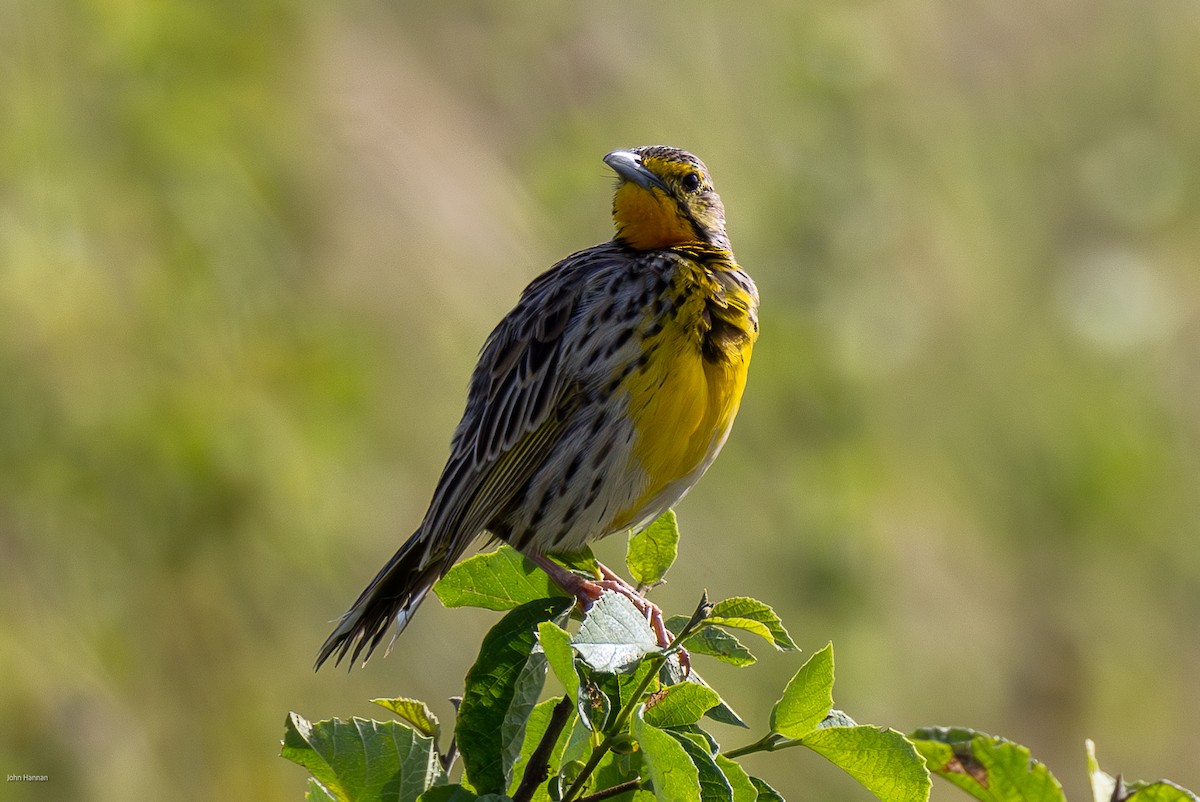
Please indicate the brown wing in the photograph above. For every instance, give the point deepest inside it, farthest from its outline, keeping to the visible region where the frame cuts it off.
(518, 404)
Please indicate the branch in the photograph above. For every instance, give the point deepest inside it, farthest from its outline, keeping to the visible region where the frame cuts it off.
(538, 767)
(616, 790)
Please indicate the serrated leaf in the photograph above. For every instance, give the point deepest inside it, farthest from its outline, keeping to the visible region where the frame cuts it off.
(491, 686)
(614, 636)
(539, 720)
(653, 550)
(363, 760)
(680, 704)
(498, 580)
(808, 697)
(667, 765)
(765, 792)
(742, 612)
(989, 769)
(714, 787)
(882, 760)
(556, 643)
(415, 712)
(1104, 786)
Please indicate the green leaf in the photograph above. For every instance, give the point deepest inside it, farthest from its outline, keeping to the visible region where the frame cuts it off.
(317, 793)
(765, 792)
(837, 718)
(672, 674)
(713, 642)
(607, 693)
(449, 793)
(595, 705)
(556, 643)
(498, 580)
(539, 720)
(492, 684)
(742, 612)
(628, 683)
(668, 766)
(582, 561)
(700, 736)
(615, 769)
(739, 780)
(526, 691)
(415, 712)
(614, 636)
(579, 742)
(808, 697)
(1158, 791)
(714, 787)
(884, 761)
(989, 769)
(652, 551)
(680, 704)
(363, 760)
(1104, 786)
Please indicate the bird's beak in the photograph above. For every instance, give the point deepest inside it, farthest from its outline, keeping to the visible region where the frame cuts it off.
(628, 165)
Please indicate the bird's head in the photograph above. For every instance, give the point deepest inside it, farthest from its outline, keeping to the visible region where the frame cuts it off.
(664, 198)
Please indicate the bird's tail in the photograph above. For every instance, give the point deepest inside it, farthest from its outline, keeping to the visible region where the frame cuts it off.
(395, 593)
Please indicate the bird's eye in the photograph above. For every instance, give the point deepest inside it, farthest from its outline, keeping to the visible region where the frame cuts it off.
(690, 182)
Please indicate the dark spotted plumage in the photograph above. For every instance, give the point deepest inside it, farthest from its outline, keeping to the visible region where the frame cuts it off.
(611, 348)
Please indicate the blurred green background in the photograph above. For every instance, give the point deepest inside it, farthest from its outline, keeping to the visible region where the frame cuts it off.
(248, 252)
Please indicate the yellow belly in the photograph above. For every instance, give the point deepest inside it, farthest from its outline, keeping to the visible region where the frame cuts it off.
(683, 406)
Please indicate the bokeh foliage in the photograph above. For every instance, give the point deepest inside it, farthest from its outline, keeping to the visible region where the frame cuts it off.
(247, 252)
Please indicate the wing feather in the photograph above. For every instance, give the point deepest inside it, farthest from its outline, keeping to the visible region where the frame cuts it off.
(518, 404)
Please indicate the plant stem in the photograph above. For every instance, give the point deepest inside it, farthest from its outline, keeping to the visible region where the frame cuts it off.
(600, 751)
(593, 761)
(658, 661)
(608, 793)
(447, 760)
(770, 742)
(538, 767)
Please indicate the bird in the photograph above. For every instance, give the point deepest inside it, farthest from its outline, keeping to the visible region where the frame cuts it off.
(596, 403)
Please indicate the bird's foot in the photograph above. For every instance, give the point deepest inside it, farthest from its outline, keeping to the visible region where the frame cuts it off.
(588, 591)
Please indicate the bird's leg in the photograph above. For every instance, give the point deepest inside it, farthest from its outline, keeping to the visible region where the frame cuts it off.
(587, 591)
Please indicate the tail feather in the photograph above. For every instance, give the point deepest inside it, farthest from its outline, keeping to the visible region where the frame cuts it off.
(394, 595)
